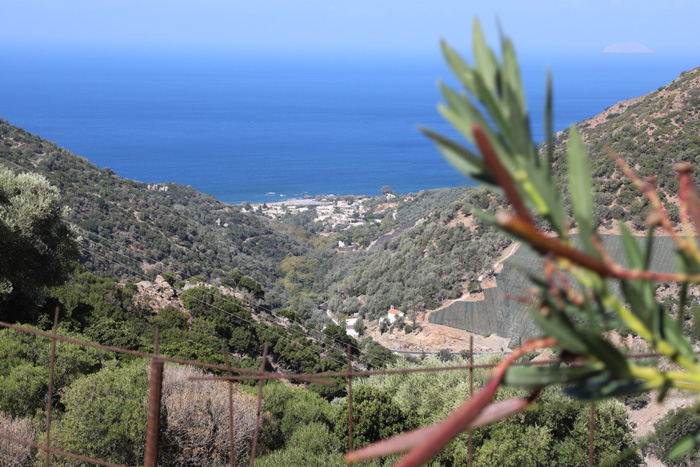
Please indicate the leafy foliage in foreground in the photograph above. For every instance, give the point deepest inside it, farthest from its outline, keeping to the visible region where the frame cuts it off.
(574, 301)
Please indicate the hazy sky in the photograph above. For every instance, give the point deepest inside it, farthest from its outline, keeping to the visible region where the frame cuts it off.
(357, 25)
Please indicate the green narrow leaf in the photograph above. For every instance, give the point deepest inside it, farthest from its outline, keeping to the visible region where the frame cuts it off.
(635, 258)
(581, 190)
(519, 122)
(607, 353)
(681, 307)
(548, 126)
(475, 84)
(458, 121)
(537, 377)
(511, 74)
(636, 305)
(606, 385)
(455, 120)
(687, 263)
(683, 446)
(592, 317)
(495, 110)
(459, 67)
(486, 63)
(547, 190)
(676, 338)
(513, 97)
(663, 392)
(461, 158)
(649, 247)
(658, 318)
(561, 331)
(462, 114)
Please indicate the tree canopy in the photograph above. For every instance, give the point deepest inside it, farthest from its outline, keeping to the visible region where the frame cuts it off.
(37, 245)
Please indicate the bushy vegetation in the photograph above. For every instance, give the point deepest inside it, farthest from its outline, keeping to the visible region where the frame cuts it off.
(672, 428)
(130, 231)
(554, 433)
(419, 269)
(99, 398)
(37, 245)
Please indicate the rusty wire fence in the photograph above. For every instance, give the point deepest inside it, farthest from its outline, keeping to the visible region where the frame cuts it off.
(261, 375)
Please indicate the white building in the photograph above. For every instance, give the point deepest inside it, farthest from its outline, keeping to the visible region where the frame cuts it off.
(392, 314)
(350, 327)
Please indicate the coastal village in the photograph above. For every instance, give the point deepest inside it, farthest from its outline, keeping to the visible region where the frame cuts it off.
(339, 212)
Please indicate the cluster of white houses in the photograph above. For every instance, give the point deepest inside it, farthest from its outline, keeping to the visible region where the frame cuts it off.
(336, 212)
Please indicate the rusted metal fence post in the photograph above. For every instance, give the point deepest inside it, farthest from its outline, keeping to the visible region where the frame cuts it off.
(591, 438)
(259, 410)
(471, 392)
(49, 396)
(231, 437)
(154, 397)
(349, 399)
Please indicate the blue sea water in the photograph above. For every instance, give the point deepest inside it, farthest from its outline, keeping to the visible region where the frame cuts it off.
(240, 127)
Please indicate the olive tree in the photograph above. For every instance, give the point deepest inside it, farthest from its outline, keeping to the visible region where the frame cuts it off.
(37, 245)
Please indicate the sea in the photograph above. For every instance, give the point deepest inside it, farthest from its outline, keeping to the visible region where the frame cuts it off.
(269, 127)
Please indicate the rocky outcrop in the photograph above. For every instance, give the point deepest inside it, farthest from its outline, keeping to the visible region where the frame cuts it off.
(157, 295)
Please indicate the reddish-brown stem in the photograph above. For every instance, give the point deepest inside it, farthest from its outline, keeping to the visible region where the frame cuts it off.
(574, 296)
(549, 272)
(688, 194)
(651, 194)
(491, 413)
(500, 173)
(544, 244)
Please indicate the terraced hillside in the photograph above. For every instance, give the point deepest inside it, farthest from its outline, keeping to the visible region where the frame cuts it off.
(497, 314)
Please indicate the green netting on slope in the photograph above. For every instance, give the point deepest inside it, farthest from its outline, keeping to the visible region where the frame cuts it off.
(497, 314)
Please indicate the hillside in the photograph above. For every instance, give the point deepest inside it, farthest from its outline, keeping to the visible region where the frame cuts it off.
(652, 132)
(130, 228)
(422, 254)
(437, 259)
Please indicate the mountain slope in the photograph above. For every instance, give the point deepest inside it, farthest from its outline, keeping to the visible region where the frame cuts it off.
(130, 227)
(652, 132)
(435, 260)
